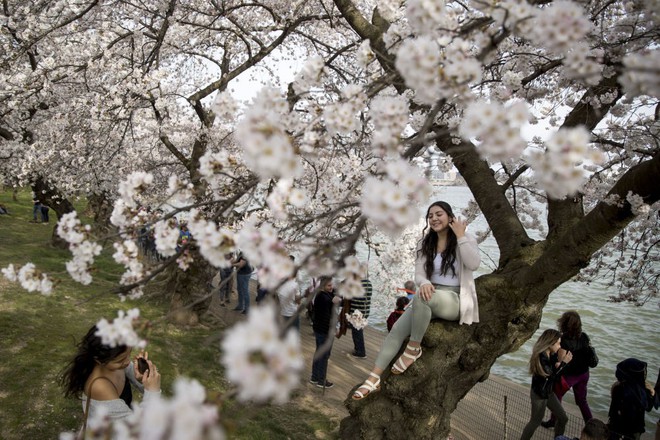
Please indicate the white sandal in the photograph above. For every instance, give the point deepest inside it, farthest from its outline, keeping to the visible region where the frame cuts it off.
(370, 387)
(399, 366)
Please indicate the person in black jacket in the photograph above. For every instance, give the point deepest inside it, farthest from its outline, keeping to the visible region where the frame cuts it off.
(545, 366)
(632, 395)
(324, 318)
(576, 375)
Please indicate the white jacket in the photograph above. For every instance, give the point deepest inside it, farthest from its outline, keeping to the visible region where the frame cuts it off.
(467, 261)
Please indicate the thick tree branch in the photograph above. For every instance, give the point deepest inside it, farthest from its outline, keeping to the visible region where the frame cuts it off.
(574, 248)
(502, 219)
(563, 214)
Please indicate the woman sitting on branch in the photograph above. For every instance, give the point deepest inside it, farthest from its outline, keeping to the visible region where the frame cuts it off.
(445, 260)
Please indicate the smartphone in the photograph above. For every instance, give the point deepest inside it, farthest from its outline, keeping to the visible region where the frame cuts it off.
(142, 365)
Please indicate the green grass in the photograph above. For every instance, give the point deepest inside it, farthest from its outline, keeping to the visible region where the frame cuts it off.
(38, 336)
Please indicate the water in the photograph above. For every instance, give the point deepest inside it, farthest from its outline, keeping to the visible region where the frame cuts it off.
(617, 331)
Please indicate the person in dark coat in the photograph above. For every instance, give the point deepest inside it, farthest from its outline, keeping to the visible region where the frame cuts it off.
(632, 396)
(325, 312)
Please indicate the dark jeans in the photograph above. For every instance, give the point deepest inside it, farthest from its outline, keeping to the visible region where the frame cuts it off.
(243, 287)
(579, 385)
(225, 291)
(320, 362)
(538, 411)
(358, 341)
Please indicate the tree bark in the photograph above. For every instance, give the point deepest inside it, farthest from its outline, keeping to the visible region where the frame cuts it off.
(55, 200)
(188, 289)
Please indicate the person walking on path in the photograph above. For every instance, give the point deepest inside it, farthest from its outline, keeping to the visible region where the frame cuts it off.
(576, 374)
(545, 366)
(325, 303)
(445, 260)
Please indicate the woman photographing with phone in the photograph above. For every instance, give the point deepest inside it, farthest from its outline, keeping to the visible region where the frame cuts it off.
(102, 376)
(444, 263)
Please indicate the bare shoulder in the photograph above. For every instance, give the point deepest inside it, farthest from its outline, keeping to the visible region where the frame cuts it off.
(102, 388)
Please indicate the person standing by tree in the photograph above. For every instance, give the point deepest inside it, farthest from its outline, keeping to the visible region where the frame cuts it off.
(325, 302)
(576, 374)
(225, 282)
(445, 261)
(36, 208)
(363, 304)
(289, 298)
(243, 273)
(545, 366)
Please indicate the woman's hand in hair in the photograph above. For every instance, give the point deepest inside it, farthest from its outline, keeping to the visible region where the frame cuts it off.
(458, 225)
(151, 378)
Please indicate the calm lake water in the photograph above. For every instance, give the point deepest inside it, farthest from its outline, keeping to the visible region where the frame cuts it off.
(617, 331)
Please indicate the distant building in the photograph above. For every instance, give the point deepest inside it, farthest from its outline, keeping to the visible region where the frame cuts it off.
(440, 178)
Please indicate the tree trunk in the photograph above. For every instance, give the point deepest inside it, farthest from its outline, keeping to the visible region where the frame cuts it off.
(188, 289)
(55, 200)
(418, 403)
(99, 207)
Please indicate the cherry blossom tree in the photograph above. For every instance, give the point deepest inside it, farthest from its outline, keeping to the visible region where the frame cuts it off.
(132, 103)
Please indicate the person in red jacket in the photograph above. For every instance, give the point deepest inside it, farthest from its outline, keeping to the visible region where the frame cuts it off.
(401, 303)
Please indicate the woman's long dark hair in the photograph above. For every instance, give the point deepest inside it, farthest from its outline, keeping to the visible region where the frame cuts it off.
(90, 350)
(570, 325)
(429, 247)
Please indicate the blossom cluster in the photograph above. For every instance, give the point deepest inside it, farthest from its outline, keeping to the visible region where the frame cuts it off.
(213, 242)
(642, 74)
(341, 117)
(185, 415)
(120, 331)
(560, 26)
(29, 278)
(133, 186)
(434, 73)
(166, 236)
(126, 254)
(264, 365)
(637, 204)
(351, 276)
(225, 106)
(392, 202)
(357, 320)
(424, 15)
(261, 245)
(389, 115)
(309, 76)
(212, 164)
(496, 127)
(557, 169)
(285, 194)
(267, 148)
(71, 230)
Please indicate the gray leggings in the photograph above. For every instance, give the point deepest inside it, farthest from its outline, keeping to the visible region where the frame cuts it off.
(538, 410)
(415, 320)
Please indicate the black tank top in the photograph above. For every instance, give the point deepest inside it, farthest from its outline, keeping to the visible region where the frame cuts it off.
(126, 394)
